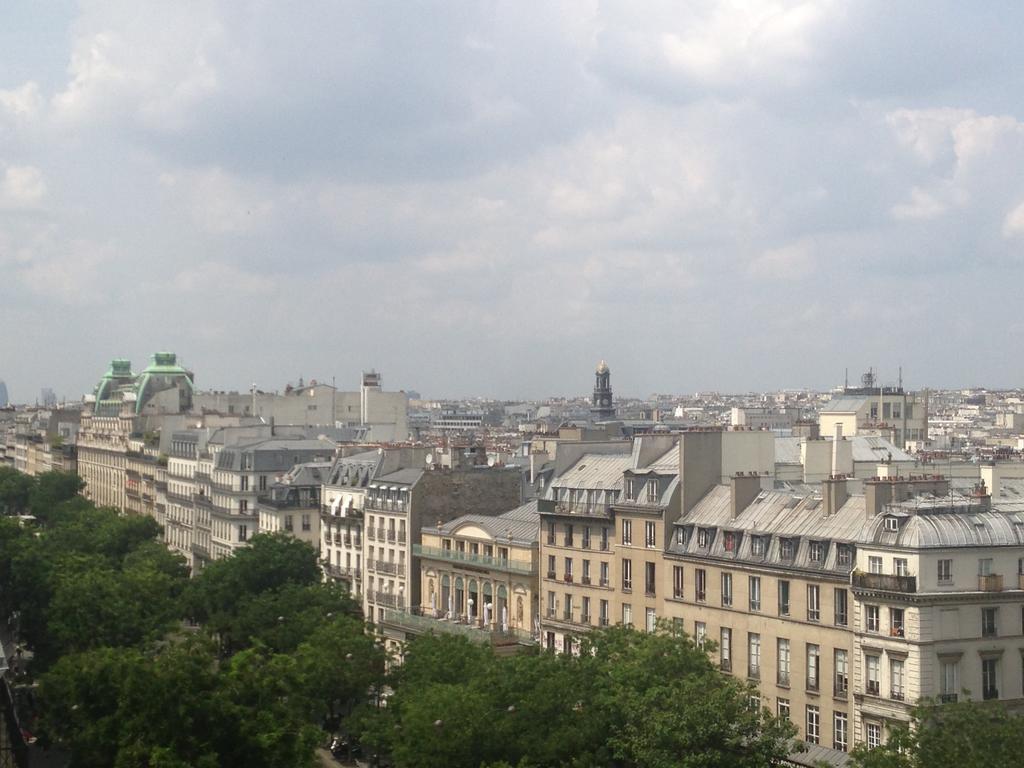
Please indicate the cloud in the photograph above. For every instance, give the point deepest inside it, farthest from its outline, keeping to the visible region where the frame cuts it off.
(22, 186)
(22, 102)
(1013, 224)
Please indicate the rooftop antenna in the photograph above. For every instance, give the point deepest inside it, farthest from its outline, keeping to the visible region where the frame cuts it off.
(901, 377)
(846, 379)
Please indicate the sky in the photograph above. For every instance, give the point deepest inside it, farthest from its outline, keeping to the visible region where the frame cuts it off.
(488, 198)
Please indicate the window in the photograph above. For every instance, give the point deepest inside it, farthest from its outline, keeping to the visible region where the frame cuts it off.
(700, 633)
(568, 535)
(755, 593)
(783, 598)
(726, 589)
(551, 533)
(872, 622)
(700, 577)
(306, 523)
(585, 576)
(989, 678)
(680, 537)
(627, 614)
(813, 724)
(892, 524)
(729, 541)
(950, 677)
(627, 532)
(604, 539)
(813, 666)
(288, 525)
(988, 622)
(753, 655)
(652, 491)
(874, 564)
(985, 566)
(263, 482)
(627, 575)
(813, 602)
(839, 602)
(844, 554)
(896, 626)
(842, 682)
(817, 551)
(567, 573)
(758, 546)
(652, 620)
(586, 537)
(604, 574)
(243, 506)
(782, 661)
(551, 604)
(873, 686)
(725, 649)
(677, 581)
(702, 537)
(896, 678)
(567, 607)
(899, 566)
(945, 571)
(551, 566)
(874, 735)
(650, 538)
(649, 579)
(243, 532)
(603, 613)
(244, 479)
(630, 489)
(839, 731)
(787, 549)
(783, 708)
(585, 610)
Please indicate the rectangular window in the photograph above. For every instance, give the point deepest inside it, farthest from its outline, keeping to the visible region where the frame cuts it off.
(813, 602)
(874, 735)
(603, 613)
(567, 607)
(783, 709)
(945, 568)
(652, 491)
(567, 574)
(989, 679)
(755, 593)
(896, 623)
(700, 633)
(725, 649)
(677, 582)
(568, 535)
(729, 541)
(630, 489)
(306, 524)
(840, 740)
(585, 575)
(702, 538)
(585, 610)
(896, 678)
(627, 532)
(726, 589)
(816, 551)
(988, 622)
(900, 567)
(604, 574)
(813, 725)
(649, 579)
(874, 564)
(844, 555)
(782, 661)
(652, 619)
(787, 549)
(551, 533)
(950, 673)
(758, 546)
(700, 577)
(243, 532)
(627, 575)
(813, 666)
(551, 567)
(551, 604)
(753, 655)
(650, 534)
(783, 598)
(604, 539)
(871, 619)
(586, 537)
(839, 602)
(872, 683)
(842, 681)
(263, 482)
(985, 566)
(627, 614)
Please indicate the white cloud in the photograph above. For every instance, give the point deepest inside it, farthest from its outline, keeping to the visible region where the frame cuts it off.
(21, 102)
(22, 186)
(1013, 224)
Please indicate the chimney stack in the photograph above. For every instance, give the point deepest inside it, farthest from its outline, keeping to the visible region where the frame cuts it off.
(834, 494)
(744, 488)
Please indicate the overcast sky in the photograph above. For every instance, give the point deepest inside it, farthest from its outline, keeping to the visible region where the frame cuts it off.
(488, 198)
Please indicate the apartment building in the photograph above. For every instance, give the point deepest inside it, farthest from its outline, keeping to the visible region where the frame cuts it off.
(478, 578)
(292, 504)
(396, 508)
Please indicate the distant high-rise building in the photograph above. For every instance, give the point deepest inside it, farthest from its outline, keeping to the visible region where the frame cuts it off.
(3, 395)
(47, 398)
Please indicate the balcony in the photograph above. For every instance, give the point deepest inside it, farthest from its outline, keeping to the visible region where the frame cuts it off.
(552, 613)
(567, 578)
(387, 599)
(840, 687)
(370, 534)
(551, 575)
(584, 579)
(603, 583)
(603, 546)
(524, 567)
(602, 621)
(754, 673)
(417, 622)
(382, 566)
(873, 688)
(897, 695)
(948, 698)
(549, 506)
(881, 582)
(585, 544)
(584, 618)
(381, 534)
(990, 583)
(567, 615)
(392, 537)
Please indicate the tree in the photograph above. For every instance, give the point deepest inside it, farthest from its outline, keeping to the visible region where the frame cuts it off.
(967, 734)
(52, 489)
(15, 489)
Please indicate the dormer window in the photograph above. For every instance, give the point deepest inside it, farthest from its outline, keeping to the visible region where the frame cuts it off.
(844, 554)
(652, 492)
(729, 541)
(892, 524)
(630, 489)
(758, 546)
(787, 549)
(702, 538)
(817, 551)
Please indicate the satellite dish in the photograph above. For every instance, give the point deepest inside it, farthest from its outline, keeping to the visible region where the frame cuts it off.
(430, 459)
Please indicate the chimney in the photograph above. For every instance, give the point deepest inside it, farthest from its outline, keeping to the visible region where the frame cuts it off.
(877, 493)
(834, 494)
(991, 476)
(835, 450)
(744, 488)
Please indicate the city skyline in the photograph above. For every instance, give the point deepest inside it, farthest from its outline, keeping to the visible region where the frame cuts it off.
(485, 201)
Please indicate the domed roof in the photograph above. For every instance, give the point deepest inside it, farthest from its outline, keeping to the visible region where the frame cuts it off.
(602, 367)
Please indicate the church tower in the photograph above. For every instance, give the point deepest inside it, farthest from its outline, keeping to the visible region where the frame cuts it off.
(601, 408)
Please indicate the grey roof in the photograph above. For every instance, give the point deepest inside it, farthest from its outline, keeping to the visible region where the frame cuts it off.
(595, 471)
(844, 405)
(356, 470)
(865, 448)
(815, 755)
(523, 523)
(402, 477)
(309, 473)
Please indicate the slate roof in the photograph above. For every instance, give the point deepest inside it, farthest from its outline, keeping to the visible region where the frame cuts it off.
(523, 522)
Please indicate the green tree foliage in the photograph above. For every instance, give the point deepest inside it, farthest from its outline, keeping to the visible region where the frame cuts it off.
(968, 734)
(52, 489)
(15, 489)
(628, 699)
